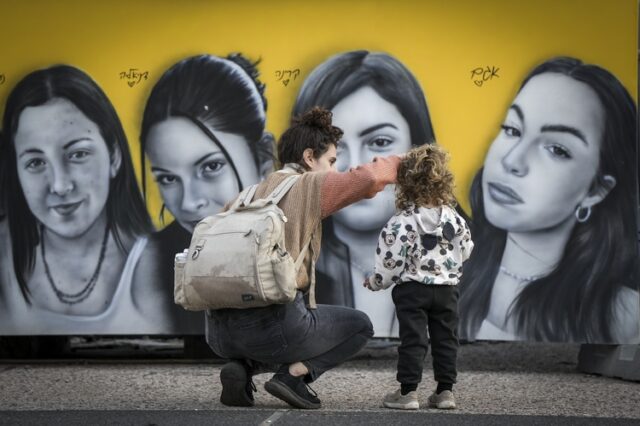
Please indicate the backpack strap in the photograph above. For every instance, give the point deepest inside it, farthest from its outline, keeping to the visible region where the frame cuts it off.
(312, 272)
(282, 189)
(249, 195)
(240, 199)
(246, 196)
(312, 285)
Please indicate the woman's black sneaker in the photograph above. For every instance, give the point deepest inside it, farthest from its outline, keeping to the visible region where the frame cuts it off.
(292, 390)
(237, 386)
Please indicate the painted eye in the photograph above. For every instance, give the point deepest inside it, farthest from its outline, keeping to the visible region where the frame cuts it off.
(379, 142)
(165, 180)
(212, 167)
(559, 151)
(78, 155)
(511, 131)
(35, 164)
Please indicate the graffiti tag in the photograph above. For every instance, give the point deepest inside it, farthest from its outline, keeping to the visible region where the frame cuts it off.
(2, 79)
(285, 76)
(481, 74)
(134, 76)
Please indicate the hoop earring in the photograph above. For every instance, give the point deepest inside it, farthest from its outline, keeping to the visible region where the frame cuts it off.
(583, 217)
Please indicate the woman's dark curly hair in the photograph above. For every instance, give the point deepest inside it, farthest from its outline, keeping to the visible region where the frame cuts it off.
(424, 179)
(314, 130)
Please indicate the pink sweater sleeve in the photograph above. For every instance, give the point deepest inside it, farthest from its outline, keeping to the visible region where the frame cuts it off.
(365, 181)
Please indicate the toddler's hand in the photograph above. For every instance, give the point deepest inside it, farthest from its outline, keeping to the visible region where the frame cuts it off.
(367, 284)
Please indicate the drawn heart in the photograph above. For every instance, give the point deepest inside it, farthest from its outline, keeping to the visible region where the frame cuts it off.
(285, 82)
(478, 82)
(131, 83)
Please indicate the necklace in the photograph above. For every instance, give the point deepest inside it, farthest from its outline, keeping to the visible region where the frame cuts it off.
(74, 298)
(521, 278)
(526, 251)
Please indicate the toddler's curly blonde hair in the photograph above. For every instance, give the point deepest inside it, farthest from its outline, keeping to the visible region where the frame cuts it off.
(424, 179)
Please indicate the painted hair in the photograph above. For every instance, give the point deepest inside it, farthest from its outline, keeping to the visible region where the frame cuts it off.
(575, 301)
(126, 212)
(343, 74)
(213, 93)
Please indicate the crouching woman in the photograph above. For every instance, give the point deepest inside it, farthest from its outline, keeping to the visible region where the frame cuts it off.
(300, 343)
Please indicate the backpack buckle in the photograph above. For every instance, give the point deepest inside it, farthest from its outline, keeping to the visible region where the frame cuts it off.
(197, 249)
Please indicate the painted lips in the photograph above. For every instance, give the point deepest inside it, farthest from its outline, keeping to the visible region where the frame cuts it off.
(67, 208)
(503, 194)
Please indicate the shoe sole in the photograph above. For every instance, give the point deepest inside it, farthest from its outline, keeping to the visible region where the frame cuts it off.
(443, 406)
(410, 406)
(285, 394)
(234, 382)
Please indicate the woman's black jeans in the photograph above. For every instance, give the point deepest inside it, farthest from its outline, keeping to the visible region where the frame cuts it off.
(418, 306)
(320, 338)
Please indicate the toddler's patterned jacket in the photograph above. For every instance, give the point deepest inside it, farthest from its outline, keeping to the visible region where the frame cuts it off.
(427, 245)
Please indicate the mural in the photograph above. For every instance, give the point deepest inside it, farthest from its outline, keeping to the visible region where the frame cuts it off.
(203, 130)
(551, 209)
(77, 223)
(109, 160)
(380, 107)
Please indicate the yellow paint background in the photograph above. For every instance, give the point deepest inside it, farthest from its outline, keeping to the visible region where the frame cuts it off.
(439, 41)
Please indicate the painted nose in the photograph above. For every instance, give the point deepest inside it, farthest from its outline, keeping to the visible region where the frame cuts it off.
(347, 157)
(61, 184)
(515, 162)
(192, 201)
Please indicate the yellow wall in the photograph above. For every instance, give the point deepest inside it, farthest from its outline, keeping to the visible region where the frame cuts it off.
(440, 41)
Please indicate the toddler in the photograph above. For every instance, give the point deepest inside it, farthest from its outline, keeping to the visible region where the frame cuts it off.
(421, 250)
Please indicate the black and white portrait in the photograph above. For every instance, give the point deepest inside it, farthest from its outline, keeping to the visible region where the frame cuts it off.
(203, 133)
(76, 226)
(554, 214)
(381, 108)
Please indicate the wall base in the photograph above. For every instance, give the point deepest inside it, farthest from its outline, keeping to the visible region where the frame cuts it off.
(621, 361)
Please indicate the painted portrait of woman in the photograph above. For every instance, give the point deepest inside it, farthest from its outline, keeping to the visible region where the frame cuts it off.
(203, 132)
(75, 215)
(554, 214)
(382, 110)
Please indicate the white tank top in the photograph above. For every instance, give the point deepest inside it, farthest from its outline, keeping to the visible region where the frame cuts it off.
(121, 317)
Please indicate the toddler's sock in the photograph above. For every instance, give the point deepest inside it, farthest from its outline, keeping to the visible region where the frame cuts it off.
(443, 387)
(406, 388)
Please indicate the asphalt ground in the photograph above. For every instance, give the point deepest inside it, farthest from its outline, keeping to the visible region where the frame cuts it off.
(498, 383)
(286, 418)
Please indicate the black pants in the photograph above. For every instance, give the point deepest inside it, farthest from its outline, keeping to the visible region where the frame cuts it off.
(418, 306)
(320, 338)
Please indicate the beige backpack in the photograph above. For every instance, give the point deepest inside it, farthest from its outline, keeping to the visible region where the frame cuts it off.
(238, 258)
